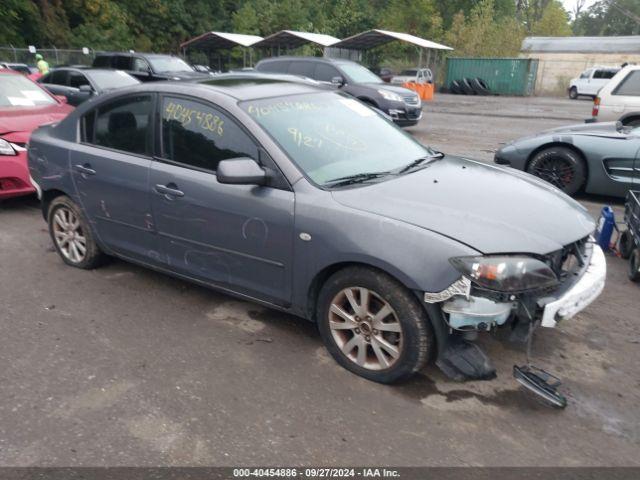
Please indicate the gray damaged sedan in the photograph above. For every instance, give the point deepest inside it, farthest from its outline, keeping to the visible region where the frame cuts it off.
(601, 158)
(310, 202)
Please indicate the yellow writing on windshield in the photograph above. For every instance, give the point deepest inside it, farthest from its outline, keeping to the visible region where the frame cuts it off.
(304, 140)
(264, 110)
(186, 116)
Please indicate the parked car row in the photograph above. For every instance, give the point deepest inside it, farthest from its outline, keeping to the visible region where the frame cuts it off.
(402, 105)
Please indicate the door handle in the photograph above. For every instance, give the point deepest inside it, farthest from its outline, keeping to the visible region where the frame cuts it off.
(85, 169)
(171, 189)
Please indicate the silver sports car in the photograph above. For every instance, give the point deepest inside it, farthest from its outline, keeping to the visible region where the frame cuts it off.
(601, 158)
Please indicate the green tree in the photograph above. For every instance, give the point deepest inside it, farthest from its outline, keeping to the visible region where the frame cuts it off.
(603, 18)
(554, 22)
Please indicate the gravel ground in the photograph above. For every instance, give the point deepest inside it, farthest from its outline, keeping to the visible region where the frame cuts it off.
(124, 366)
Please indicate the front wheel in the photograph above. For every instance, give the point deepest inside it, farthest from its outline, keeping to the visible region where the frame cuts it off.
(626, 244)
(573, 93)
(560, 166)
(373, 326)
(71, 234)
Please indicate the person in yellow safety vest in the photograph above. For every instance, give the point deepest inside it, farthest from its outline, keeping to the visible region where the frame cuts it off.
(43, 66)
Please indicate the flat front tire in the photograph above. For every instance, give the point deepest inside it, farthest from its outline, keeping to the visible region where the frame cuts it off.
(71, 235)
(373, 326)
(562, 167)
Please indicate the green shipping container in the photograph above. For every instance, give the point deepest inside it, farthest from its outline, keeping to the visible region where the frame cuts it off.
(504, 76)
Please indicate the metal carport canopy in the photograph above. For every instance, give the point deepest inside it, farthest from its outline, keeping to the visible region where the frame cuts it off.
(221, 40)
(292, 39)
(375, 38)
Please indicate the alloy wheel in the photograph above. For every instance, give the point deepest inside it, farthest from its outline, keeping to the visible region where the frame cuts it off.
(365, 328)
(555, 170)
(68, 235)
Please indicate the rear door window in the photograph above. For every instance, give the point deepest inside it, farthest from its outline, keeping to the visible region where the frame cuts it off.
(102, 62)
(630, 86)
(124, 124)
(305, 69)
(198, 135)
(279, 66)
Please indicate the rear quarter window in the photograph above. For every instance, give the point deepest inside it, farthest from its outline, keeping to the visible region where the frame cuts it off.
(630, 85)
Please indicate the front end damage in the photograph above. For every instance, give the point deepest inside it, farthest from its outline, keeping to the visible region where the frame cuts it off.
(517, 292)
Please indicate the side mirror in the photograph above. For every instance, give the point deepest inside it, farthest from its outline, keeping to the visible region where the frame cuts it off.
(241, 171)
(85, 89)
(337, 81)
(62, 98)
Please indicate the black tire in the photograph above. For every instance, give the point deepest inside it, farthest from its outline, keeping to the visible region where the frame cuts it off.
(561, 166)
(634, 266)
(414, 342)
(573, 93)
(93, 256)
(480, 87)
(466, 87)
(625, 244)
(455, 87)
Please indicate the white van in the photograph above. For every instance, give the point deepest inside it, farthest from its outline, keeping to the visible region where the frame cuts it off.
(590, 81)
(619, 99)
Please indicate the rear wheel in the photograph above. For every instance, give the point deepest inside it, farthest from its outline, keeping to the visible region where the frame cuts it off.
(625, 244)
(634, 266)
(573, 93)
(373, 326)
(71, 234)
(560, 166)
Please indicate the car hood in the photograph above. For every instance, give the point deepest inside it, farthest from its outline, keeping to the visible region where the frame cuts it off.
(19, 122)
(489, 208)
(185, 75)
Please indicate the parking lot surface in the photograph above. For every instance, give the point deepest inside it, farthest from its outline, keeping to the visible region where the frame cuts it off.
(124, 366)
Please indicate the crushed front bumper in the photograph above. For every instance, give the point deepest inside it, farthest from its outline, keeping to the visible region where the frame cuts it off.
(579, 294)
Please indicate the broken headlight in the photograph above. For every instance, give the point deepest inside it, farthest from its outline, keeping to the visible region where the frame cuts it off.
(505, 273)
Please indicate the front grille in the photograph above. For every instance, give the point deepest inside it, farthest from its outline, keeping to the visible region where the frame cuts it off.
(412, 100)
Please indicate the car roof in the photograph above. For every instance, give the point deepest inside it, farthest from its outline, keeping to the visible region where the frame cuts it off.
(240, 86)
(131, 54)
(86, 70)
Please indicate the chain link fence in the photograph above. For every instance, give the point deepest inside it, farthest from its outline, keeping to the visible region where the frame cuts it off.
(54, 56)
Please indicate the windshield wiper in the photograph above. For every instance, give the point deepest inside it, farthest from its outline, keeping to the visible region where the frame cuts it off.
(420, 160)
(356, 178)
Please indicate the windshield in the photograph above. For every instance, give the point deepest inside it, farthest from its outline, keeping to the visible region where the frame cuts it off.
(330, 135)
(359, 74)
(19, 91)
(107, 79)
(409, 73)
(169, 64)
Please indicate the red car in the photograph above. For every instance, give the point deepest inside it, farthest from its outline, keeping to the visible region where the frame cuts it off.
(24, 106)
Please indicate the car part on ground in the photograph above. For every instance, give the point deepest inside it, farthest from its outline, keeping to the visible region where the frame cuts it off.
(330, 222)
(469, 86)
(467, 89)
(480, 86)
(600, 158)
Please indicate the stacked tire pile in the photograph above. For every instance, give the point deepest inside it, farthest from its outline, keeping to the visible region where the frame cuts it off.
(469, 86)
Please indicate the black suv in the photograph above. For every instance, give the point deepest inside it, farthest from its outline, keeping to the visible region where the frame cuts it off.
(401, 104)
(148, 67)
